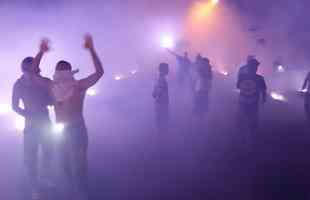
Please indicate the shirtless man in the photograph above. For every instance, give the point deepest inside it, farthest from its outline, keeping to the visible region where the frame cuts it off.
(69, 95)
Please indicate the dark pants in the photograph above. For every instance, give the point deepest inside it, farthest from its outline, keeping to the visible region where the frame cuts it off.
(307, 106)
(36, 135)
(201, 103)
(248, 116)
(183, 77)
(162, 117)
(74, 155)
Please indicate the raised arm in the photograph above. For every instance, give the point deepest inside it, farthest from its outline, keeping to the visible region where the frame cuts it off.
(173, 53)
(15, 101)
(93, 78)
(44, 48)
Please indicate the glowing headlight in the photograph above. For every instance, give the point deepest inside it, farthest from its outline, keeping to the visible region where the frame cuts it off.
(91, 92)
(277, 96)
(58, 128)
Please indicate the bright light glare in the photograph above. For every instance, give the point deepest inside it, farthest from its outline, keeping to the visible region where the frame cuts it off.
(303, 90)
(277, 96)
(281, 68)
(167, 42)
(133, 72)
(91, 92)
(214, 2)
(19, 123)
(4, 109)
(203, 9)
(58, 128)
(118, 77)
(225, 73)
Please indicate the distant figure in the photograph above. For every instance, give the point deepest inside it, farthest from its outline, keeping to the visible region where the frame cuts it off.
(184, 66)
(306, 87)
(252, 90)
(203, 84)
(69, 95)
(199, 58)
(37, 131)
(161, 97)
(194, 70)
(245, 69)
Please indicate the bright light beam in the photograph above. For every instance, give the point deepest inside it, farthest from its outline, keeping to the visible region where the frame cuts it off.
(91, 92)
(118, 77)
(19, 123)
(215, 2)
(58, 128)
(281, 68)
(277, 96)
(4, 109)
(133, 72)
(167, 42)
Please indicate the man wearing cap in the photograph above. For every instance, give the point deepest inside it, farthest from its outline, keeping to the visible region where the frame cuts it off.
(252, 91)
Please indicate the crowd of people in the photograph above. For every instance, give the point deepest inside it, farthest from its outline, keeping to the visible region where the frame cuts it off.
(66, 94)
(199, 75)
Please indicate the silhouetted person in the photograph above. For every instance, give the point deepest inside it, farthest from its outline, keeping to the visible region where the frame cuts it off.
(245, 69)
(252, 90)
(37, 131)
(161, 97)
(184, 66)
(306, 86)
(203, 84)
(69, 95)
(199, 58)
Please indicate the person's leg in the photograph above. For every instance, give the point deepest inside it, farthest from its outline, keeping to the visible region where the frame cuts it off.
(162, 118)
(79, 158)
(66, 157)
(47, 147)
(307, 107)
(254, 119)
(180, 77)
(31, 143)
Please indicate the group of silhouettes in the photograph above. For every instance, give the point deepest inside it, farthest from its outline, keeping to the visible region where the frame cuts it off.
(66, 94)
(252, 88)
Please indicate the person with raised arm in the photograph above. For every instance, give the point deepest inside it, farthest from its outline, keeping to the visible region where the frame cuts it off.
(37, 131)
(184, 66)
(69, 96)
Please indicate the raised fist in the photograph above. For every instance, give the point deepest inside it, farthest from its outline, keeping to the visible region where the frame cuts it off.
(88, 43)
(44, 45)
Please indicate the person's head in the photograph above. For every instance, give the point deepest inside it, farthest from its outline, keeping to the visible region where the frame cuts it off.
(28, 67)
(250, 57)
(63, 66)
(206, 61)
(253, 65)
(185, 54)
(198, 58)
(163, 69)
